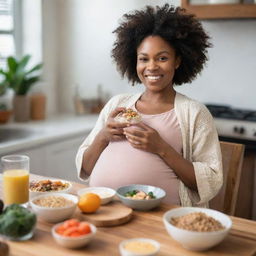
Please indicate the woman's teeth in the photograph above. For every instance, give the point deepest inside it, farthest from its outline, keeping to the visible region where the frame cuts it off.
(153, 78)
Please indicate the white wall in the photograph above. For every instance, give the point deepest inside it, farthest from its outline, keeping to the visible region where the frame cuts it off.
(32, 30)
(39, 38)
(51, 52)
(229, 77)
(84, 42)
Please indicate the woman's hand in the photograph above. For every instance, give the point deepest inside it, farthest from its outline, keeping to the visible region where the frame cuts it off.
(113, 130)
(144, 138)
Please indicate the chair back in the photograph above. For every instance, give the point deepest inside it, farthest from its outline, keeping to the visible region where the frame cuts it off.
(232, 160)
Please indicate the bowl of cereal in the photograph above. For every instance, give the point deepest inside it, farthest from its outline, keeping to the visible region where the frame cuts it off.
(139, 247)
(106, 194)
(41, 187)
(54, 207)
(197, 229)
(141, 197)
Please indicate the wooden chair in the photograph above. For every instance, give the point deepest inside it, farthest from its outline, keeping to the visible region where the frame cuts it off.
(232, 158)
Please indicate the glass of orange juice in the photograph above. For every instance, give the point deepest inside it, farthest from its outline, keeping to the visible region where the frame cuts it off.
(15, 179)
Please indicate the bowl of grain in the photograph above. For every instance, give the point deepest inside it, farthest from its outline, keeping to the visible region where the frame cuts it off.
(197, 229)
(54, 207)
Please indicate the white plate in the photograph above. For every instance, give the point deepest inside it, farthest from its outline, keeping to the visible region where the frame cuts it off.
(106, 194)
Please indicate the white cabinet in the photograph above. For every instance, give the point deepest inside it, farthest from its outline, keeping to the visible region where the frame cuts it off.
(60, 159)
(37, 159)
(55, 158)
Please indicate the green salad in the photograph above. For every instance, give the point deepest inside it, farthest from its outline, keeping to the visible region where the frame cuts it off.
(138, 194)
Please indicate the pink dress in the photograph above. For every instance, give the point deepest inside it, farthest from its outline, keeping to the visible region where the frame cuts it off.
(120, 164)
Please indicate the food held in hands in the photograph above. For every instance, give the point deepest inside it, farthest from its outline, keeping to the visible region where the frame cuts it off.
(128, 116)
(140, 195)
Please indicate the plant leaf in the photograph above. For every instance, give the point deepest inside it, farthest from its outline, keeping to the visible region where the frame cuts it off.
(26, 85)
(12, 64)
(37, 67)
(23, 63)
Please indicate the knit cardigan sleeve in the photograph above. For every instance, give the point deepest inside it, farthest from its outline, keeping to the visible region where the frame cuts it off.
(90, 138)
(201, 147)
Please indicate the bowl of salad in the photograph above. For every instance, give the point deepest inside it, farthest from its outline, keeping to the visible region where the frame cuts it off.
(141, 197)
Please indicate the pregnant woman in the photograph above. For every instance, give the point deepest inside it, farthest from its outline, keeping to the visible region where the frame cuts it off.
(175, 146)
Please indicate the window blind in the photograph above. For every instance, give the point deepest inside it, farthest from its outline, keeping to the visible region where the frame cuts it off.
(7, 46)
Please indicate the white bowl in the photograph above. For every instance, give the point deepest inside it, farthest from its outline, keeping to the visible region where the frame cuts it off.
(33, 194)
(125, 252)
(73, 242)
(193, 240)
(54, 214)
(141, 205)
(106, 194)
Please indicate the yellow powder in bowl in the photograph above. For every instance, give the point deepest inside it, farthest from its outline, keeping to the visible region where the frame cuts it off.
(140, 247)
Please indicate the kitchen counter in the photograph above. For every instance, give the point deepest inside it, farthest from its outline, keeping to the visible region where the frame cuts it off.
(17, 136)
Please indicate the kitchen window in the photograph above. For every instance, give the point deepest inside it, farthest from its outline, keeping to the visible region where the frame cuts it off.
(10, 43)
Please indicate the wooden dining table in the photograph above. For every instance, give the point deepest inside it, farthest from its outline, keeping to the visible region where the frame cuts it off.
(241, 240)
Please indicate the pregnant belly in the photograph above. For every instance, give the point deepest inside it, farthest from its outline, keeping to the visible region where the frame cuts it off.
(120, 164)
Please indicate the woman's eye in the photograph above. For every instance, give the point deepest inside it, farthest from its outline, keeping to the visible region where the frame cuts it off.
(143, 59)
(163, 58)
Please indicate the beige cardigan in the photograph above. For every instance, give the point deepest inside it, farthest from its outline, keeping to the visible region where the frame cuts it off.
(200, 145)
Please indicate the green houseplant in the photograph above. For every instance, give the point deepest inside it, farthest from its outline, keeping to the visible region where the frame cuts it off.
(5, 103)
(20, 79)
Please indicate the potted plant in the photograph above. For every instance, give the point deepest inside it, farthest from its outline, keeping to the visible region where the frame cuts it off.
(20, 79)
(5, 103)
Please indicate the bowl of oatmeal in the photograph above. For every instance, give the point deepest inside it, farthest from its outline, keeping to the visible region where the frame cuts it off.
(197, 229)
(41, 187)
(54, 207)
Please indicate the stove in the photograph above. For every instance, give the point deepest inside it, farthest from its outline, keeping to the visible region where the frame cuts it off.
(237, 125)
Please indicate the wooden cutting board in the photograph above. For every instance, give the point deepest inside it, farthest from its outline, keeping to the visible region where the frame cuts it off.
(111, 214)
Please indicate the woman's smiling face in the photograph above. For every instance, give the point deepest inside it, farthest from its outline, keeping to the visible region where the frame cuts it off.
(156, 63)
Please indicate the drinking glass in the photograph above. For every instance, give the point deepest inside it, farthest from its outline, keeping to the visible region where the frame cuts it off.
(15, 179)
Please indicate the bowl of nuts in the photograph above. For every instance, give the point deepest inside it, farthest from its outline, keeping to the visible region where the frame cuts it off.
(197, 229)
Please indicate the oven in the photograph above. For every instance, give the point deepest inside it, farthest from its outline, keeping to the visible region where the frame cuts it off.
(239, 126)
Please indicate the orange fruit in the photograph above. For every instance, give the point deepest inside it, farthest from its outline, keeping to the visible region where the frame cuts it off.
(89, 202)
